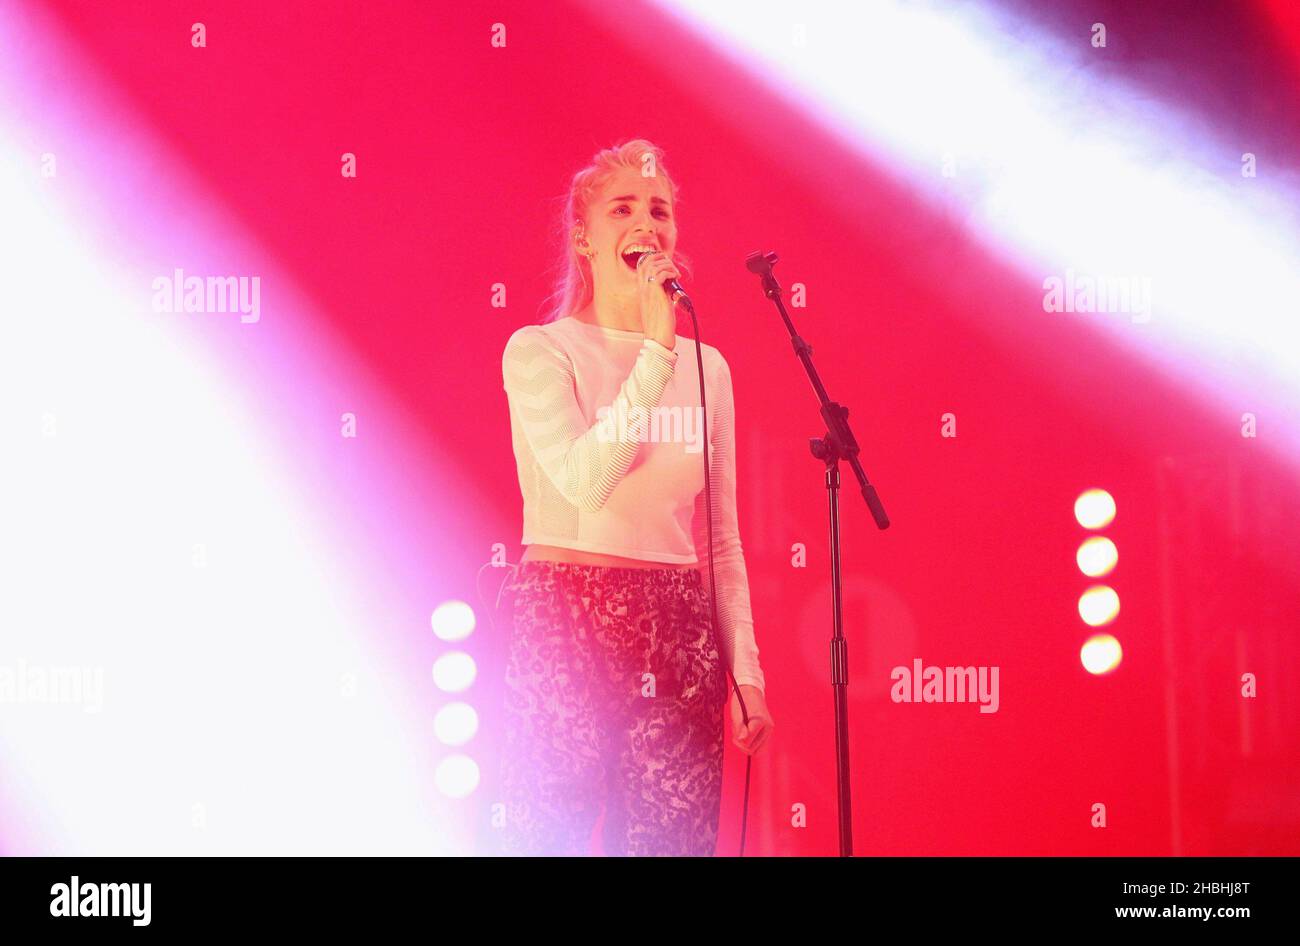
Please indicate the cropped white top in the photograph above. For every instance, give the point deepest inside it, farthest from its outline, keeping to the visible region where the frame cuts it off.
(608, 439)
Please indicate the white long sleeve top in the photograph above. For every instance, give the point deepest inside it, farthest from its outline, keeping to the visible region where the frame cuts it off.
(607, 433)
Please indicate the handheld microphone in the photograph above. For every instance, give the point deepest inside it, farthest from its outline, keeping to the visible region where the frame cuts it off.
(674, 289)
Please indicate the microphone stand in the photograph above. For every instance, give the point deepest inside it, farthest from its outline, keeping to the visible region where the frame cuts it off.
(838, 443)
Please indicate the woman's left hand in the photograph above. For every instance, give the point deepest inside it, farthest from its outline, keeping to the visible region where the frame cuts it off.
(750, 738)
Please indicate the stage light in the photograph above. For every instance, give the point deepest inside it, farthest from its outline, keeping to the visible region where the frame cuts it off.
(453, 620)
(1058, 166)
(1097, 556)
(194, 535)
(455, 724)
(1094, 509)
(1099, 605)
(1100, 654)
(456, 776)
(454, 672)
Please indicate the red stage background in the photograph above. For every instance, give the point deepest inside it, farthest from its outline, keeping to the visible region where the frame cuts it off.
(463, 151)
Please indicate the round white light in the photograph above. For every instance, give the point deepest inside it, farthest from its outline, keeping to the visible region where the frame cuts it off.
(455, 671)
(1100, 653)
(1094, 509)
(1098, 605)
(453, 620)
(456, 776)
(455, 724)
(1097, 556)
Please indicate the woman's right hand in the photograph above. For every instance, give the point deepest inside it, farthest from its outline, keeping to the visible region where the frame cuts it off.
(658, 314)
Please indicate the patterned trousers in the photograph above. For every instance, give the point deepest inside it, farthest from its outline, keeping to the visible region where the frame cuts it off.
(614, 698)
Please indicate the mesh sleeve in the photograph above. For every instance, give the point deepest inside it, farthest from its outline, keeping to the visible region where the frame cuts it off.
(583, 462)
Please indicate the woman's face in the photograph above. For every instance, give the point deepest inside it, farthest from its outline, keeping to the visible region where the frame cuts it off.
(630, 211)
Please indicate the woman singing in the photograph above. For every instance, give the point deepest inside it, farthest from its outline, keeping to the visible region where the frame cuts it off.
(615, 688)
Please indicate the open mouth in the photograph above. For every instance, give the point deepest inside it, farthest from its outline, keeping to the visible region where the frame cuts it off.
(632, 255)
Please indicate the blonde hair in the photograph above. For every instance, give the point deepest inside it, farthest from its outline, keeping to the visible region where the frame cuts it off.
(575, 286)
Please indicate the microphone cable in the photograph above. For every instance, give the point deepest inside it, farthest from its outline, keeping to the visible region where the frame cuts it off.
(713, 585)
